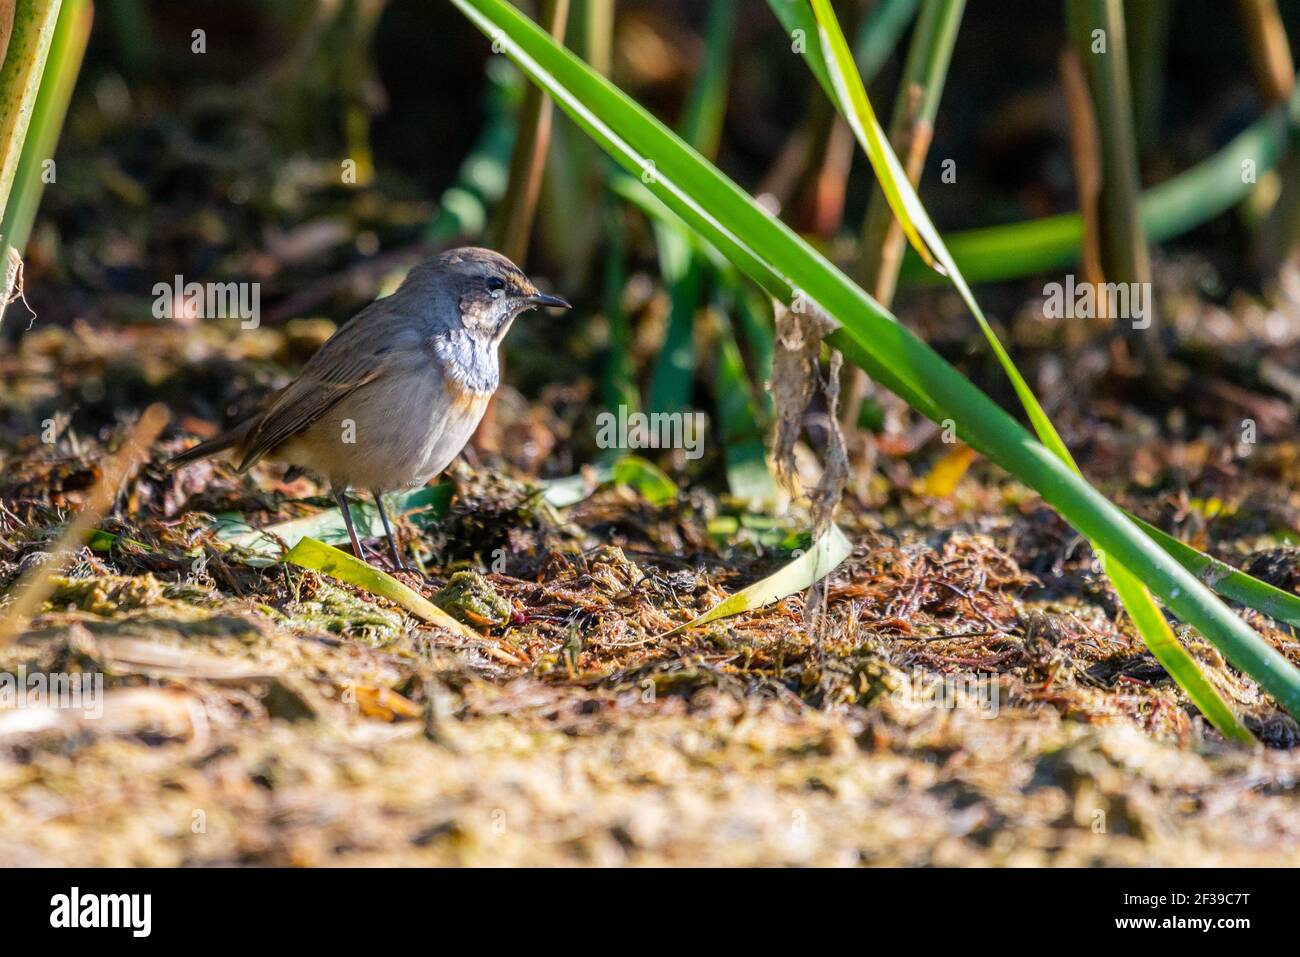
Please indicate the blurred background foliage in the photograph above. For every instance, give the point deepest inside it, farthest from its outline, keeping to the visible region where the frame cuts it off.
(319, 147)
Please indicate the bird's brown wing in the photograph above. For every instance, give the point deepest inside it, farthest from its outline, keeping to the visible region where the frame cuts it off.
(351, 359)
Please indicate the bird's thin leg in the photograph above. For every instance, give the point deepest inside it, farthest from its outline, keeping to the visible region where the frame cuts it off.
(357, 550)
(388, 529)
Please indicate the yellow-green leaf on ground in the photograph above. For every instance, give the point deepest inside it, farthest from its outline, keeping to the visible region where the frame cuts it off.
(318, 557)
(808, 569)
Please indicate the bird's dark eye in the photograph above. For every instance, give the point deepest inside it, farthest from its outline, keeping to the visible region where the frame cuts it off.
(495, 284)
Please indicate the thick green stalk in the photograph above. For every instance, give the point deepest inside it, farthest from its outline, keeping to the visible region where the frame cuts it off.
(705, 109)
(1148, 22)
(790, 269)
(673, 378)
(880, 32)
(619, 378)
(911, 129)
(514, 222)
(1097, 27)
(20, 83)
(61, 68)
(597, 19)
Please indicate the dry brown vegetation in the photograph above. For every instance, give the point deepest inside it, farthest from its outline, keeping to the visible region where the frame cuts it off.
(271, 715)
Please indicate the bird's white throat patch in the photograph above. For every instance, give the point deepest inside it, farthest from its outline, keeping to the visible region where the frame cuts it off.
(468, 360)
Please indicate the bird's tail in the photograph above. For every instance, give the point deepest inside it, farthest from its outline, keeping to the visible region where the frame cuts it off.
(226, 440)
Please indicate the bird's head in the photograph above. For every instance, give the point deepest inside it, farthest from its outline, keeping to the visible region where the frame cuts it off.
(489, 290)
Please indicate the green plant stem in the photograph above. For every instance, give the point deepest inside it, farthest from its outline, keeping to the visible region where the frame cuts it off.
(619, 379)
(597, 18)
(672, 379)
(20, 83)
(707, 105)
(785, 265)
(1194, 197)
(67, 48)
(911, 129)
(1149, 41)
(514, 223)
(879, 34)
(1098, 29)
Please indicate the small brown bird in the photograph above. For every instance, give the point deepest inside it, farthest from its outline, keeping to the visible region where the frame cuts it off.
(393, 396)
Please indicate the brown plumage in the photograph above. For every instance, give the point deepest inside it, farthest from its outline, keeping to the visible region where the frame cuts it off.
(393, 396)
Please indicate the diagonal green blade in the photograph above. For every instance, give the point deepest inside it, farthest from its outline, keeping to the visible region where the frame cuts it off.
(787, 267)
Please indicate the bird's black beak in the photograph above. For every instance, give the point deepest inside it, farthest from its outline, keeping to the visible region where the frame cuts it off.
(543, 300)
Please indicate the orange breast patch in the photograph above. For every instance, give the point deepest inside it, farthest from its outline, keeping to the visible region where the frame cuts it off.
(464, 402)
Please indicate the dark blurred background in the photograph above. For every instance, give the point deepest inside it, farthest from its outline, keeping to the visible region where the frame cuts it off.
(163, 128)
(227, 165)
